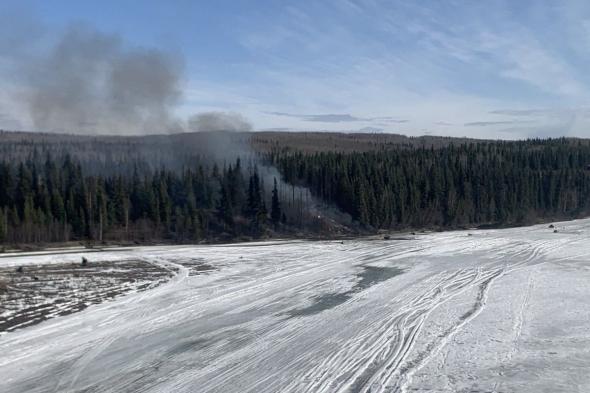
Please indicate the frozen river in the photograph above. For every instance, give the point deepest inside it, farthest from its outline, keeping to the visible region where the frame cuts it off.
(482, 311)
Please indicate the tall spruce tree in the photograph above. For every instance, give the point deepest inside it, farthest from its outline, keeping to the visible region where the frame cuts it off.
(275, 208)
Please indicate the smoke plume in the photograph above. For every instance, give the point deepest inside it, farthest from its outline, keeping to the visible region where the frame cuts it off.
(90, 83)
(219, 121)
(85, 81)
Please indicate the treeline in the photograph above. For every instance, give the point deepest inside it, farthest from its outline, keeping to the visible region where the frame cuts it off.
(56, 201)
(60, 199)
(496, 183)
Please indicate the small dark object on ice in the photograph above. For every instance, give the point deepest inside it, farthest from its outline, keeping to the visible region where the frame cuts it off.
(470, 234)
(555, 231)
(84, 261)
(20, 269)
(386, 237)
(414, 233)
(342, 242)
(35, 278)
(551, 226)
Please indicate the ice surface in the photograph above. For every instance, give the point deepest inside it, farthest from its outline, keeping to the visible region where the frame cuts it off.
(484, 311)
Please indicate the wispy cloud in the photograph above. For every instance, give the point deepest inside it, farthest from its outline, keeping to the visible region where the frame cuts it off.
(543, 112)
(466, 58)
(524, 112)
(495, 123)
(487, 69)
(545, 122)
(323, 118)
(337, 118)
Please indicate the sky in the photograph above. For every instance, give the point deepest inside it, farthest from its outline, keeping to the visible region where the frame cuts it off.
(483, 69)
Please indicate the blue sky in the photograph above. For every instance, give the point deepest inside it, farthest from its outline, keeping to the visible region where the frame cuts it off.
(493, 69)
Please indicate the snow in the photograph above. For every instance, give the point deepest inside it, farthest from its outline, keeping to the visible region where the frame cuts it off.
(480, 311)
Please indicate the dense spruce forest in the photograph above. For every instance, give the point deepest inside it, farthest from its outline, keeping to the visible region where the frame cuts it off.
(95, 189)
(494, 183)
(57, 202)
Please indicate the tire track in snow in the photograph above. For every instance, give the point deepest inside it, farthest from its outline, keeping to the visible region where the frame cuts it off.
(319, 269)
(519, 318)
(435, 348)
(371, 360)
(391, 374)
(406, 329)
(525, 258)
(101, 344)
(369, 345)
(396, 337)
(374, 342)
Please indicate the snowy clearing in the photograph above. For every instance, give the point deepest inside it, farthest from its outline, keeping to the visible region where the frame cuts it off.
(480, 311)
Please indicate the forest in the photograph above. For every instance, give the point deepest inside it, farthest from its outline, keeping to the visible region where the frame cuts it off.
(57, 202)
(488, 183)
(48, 196)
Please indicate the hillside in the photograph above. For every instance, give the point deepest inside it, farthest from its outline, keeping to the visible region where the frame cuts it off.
(227, 186)
(165, 149)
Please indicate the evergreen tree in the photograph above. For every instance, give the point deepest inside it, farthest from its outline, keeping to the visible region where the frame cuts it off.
(46, 198)
(275, 208)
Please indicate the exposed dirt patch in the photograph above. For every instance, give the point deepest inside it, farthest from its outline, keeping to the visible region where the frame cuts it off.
(195, 266)
(34, 293)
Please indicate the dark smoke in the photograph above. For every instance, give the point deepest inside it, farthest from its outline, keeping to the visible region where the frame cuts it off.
(219, 134)
(92, 83)
(219, 121)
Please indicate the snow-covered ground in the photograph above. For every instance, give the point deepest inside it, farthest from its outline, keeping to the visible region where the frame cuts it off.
(481, 311)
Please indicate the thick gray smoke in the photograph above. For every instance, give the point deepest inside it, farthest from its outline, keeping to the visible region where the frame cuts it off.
(219, 121)
(91, 82)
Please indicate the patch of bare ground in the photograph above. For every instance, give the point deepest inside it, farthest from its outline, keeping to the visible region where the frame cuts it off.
(195, 266)
(34, 293)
